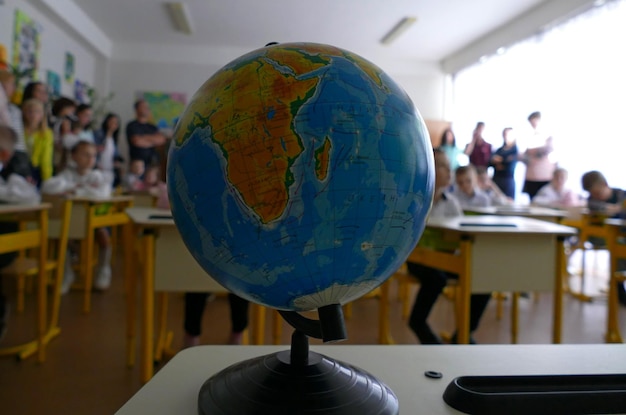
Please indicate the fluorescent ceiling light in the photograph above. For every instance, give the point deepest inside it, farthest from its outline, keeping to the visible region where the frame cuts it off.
(402, 26)
(181, 19)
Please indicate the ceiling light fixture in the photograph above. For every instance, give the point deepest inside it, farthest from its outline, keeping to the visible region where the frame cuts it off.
(402, 26)
(179, 14)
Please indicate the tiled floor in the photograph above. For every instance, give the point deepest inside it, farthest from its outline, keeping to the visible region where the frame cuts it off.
(85, 371)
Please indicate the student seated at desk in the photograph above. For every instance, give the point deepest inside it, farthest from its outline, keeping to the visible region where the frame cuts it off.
(495, 194)
(466, 190)
(81, 179)
(434, 280)
(15, 187)
(555, 193)
(133, 180)
(607, 201)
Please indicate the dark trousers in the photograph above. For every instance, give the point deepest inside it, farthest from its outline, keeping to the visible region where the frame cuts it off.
(506, 184)
(532, 187)
(432, 283)
(195, 304)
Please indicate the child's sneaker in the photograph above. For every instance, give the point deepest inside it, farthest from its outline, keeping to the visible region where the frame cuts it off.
(103, 278)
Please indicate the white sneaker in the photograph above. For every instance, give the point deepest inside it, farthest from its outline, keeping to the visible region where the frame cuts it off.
(103, 278)
(68, 279)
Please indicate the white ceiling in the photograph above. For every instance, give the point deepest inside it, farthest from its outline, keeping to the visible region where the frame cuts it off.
(443, 26)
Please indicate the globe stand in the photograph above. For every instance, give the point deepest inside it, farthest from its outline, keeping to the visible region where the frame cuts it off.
(298, 381)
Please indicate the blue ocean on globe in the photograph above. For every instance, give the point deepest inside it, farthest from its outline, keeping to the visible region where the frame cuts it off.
(301, 176)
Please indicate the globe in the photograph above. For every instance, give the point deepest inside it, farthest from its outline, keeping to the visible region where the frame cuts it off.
(300, 176)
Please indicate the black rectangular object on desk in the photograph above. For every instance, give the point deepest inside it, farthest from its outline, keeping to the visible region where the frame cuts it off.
(538, 394)
(160, 217)
(489, 225)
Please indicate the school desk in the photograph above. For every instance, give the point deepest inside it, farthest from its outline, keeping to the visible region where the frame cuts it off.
(535, 212)
(174, 389)
(500, 253)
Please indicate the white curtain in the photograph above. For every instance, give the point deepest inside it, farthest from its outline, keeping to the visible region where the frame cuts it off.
(575, 74)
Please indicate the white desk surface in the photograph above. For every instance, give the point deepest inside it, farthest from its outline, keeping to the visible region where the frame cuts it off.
(525, 211)
(141, 216)
(174, 389)
(489, 224)
(615, 222)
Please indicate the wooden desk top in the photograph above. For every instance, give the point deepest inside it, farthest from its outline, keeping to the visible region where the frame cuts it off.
(525, 211)
(94, 199)
(142, 216)
(492, 224)
(174, 389)
(23, 208)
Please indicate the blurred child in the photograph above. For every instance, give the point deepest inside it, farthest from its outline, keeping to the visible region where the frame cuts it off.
(14, 184)
(133, 181)
(434, 280)
(494, 193)
(82, 180)
(38, 138)
(466, 190)
(602, 198)
(607, 201)
(555, 194)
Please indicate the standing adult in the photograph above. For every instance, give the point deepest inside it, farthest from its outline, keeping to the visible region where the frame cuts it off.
(448, 146)
(478, 150)
(504, 161)
(143, 136)
(539, 163)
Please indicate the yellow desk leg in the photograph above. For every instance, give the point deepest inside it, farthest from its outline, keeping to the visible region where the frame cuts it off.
(384, 331)
(612, 327)
(130, 282)
(514, 317)
(162, 334)
(558, 290)
(147, 328)
(277, 328)
(42, 294)
(464, 292)
(259, 324)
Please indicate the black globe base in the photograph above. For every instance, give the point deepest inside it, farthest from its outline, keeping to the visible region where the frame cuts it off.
(295, 382)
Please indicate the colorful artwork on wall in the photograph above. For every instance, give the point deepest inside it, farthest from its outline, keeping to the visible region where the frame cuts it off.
(26, 45)
(81, 92)
(53, 80)
(166, 107)
(69, 67)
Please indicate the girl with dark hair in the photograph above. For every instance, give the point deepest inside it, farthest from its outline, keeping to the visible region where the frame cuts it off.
(448, 146)
(106, 142)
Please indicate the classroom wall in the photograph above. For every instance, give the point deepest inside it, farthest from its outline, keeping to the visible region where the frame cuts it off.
(161, 71)
(57, 38)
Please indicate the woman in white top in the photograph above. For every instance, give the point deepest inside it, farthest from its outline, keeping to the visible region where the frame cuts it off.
(106, 142)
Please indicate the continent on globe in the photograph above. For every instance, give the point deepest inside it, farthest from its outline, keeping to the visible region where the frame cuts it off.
(301, 176)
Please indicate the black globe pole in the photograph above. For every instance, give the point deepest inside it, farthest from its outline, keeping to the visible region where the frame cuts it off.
(298, 381)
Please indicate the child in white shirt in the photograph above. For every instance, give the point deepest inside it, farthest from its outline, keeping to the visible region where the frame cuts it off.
(555, 194)
(80, 179)
(495, 194)
(466, 190)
